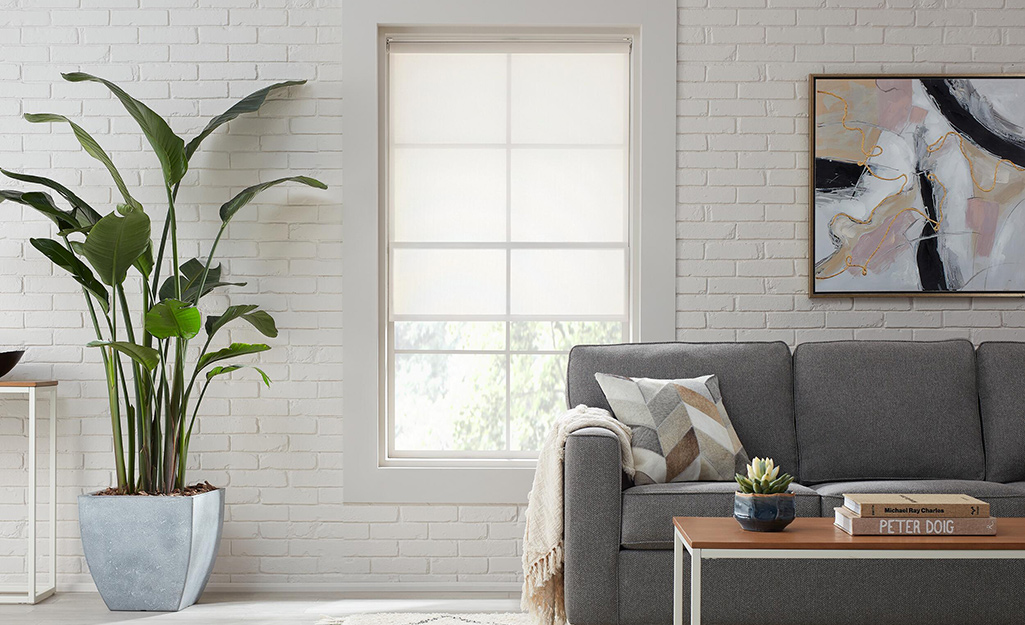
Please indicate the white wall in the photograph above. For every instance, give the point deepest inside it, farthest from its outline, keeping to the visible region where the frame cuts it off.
(742, 270)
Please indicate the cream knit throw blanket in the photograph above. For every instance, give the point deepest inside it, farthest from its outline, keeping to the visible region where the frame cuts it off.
(543, 595)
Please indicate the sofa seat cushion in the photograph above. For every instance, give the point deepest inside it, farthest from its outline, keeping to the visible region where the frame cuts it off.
(1005, 500)
(648, 510)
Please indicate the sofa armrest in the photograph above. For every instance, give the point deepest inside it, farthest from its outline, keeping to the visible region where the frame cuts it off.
(593, 477)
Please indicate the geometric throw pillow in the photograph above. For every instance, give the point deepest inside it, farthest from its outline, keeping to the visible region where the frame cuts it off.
(681, 432)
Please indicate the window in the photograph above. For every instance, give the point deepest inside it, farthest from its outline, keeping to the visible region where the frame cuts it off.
(508, 235)
(509, 191)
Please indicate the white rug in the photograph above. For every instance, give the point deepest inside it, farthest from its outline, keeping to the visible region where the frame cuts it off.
(408, 618)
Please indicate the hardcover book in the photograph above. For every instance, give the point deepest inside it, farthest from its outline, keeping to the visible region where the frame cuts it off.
(897, 505)
(919, 526)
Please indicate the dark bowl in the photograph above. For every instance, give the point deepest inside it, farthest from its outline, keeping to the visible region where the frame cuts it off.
(8, 360)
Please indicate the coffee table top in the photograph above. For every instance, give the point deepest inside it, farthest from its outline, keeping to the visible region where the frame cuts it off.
(27, 383)
(820, 533)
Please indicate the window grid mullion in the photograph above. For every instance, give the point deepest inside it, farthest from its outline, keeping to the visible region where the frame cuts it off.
(508, 251)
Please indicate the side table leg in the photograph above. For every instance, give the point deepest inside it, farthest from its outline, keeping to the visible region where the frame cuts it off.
(53, 488)
(677, 578)
(695, 587)
(31, 564)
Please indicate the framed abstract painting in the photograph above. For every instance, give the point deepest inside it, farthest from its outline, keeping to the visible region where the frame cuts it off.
(917, 185)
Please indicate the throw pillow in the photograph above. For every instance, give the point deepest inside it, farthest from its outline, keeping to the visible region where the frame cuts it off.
(681, 432)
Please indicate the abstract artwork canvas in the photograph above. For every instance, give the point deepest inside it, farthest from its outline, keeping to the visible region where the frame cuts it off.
(918, 185)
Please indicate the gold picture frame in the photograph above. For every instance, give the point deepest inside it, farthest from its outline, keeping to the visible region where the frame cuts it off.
(848, 176)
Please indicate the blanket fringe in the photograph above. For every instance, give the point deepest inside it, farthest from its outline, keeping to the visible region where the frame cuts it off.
(543, 595)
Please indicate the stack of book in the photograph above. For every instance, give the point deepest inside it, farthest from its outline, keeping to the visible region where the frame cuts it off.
(914, 515)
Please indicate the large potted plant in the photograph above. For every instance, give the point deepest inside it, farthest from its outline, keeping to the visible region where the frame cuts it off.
(150, 541)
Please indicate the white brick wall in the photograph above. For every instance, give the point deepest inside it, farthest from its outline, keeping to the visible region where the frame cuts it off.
(742, 269)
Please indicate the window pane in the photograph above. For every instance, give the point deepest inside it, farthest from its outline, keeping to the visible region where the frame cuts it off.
(448, 194)
(528, 336)
(569, 98)
(447, 335)
(488, 153)
(569, 195)
(568, 282)
(448, 98)
(449, 402)
(538, 386)
(448, 282)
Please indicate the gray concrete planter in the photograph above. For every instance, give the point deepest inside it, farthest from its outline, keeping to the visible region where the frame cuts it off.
(151, 553)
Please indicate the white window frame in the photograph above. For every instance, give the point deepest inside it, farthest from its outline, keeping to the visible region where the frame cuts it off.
(369, 476)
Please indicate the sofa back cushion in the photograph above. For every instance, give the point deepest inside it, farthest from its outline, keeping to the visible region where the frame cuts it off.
(755, 380)
(887, 410)
(1002, 402)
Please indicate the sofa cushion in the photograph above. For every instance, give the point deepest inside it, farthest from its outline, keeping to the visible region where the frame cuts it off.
(755, 379)
(648, 510)
(681, 431)
(1001, 369)
(887, 410)
(1005, 500)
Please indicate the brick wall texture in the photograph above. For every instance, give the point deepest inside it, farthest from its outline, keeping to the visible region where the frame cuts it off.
(742, 269)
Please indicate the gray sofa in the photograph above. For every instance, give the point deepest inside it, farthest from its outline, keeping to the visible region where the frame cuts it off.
(843, 417)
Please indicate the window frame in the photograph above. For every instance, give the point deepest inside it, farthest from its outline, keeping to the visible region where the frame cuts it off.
(369, 475)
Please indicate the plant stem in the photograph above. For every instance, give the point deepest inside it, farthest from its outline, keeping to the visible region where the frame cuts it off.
(115, 409)
(143, 390)
(163, 243)
(209, 261)
(172, 224)
(134, 415)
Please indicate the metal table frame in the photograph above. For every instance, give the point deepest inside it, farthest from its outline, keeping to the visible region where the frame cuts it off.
(698, 555)
(31, 593)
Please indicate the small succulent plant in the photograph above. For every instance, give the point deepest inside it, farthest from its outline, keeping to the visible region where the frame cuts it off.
(763, 478)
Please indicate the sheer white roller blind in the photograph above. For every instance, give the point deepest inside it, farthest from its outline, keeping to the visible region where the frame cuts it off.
(507, 234)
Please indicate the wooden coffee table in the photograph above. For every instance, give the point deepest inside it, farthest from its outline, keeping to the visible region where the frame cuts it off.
(721, 537)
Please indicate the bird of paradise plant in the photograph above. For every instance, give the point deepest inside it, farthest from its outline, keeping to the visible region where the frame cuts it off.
(153, 388)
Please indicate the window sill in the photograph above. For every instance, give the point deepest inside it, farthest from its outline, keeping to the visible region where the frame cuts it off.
(438, 485)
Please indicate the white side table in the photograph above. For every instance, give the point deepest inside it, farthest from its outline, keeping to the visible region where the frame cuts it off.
(32, 390)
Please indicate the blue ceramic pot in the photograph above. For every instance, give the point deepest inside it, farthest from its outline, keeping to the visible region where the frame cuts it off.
(764, 513)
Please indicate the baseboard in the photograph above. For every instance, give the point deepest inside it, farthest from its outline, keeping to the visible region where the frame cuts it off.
(353, 590)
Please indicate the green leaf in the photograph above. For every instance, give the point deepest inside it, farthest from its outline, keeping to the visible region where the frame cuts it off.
(145, 356)
(169, 147)
(263, 322)
(215, 323)
(228, 209)
(71, 231)
(173, 318)
(259, 319)
(232, 351)
(65, 259)
(43, 203)
(191, 272)
(145, 262)
(115, 243)
(216, 371)
(82, 214)
(92, 148)
(249, 104)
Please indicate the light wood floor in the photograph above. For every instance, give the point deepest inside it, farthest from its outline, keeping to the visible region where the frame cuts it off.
(222, 609)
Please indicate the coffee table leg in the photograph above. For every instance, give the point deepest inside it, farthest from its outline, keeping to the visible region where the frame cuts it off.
(678, 551)
(695, 587)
